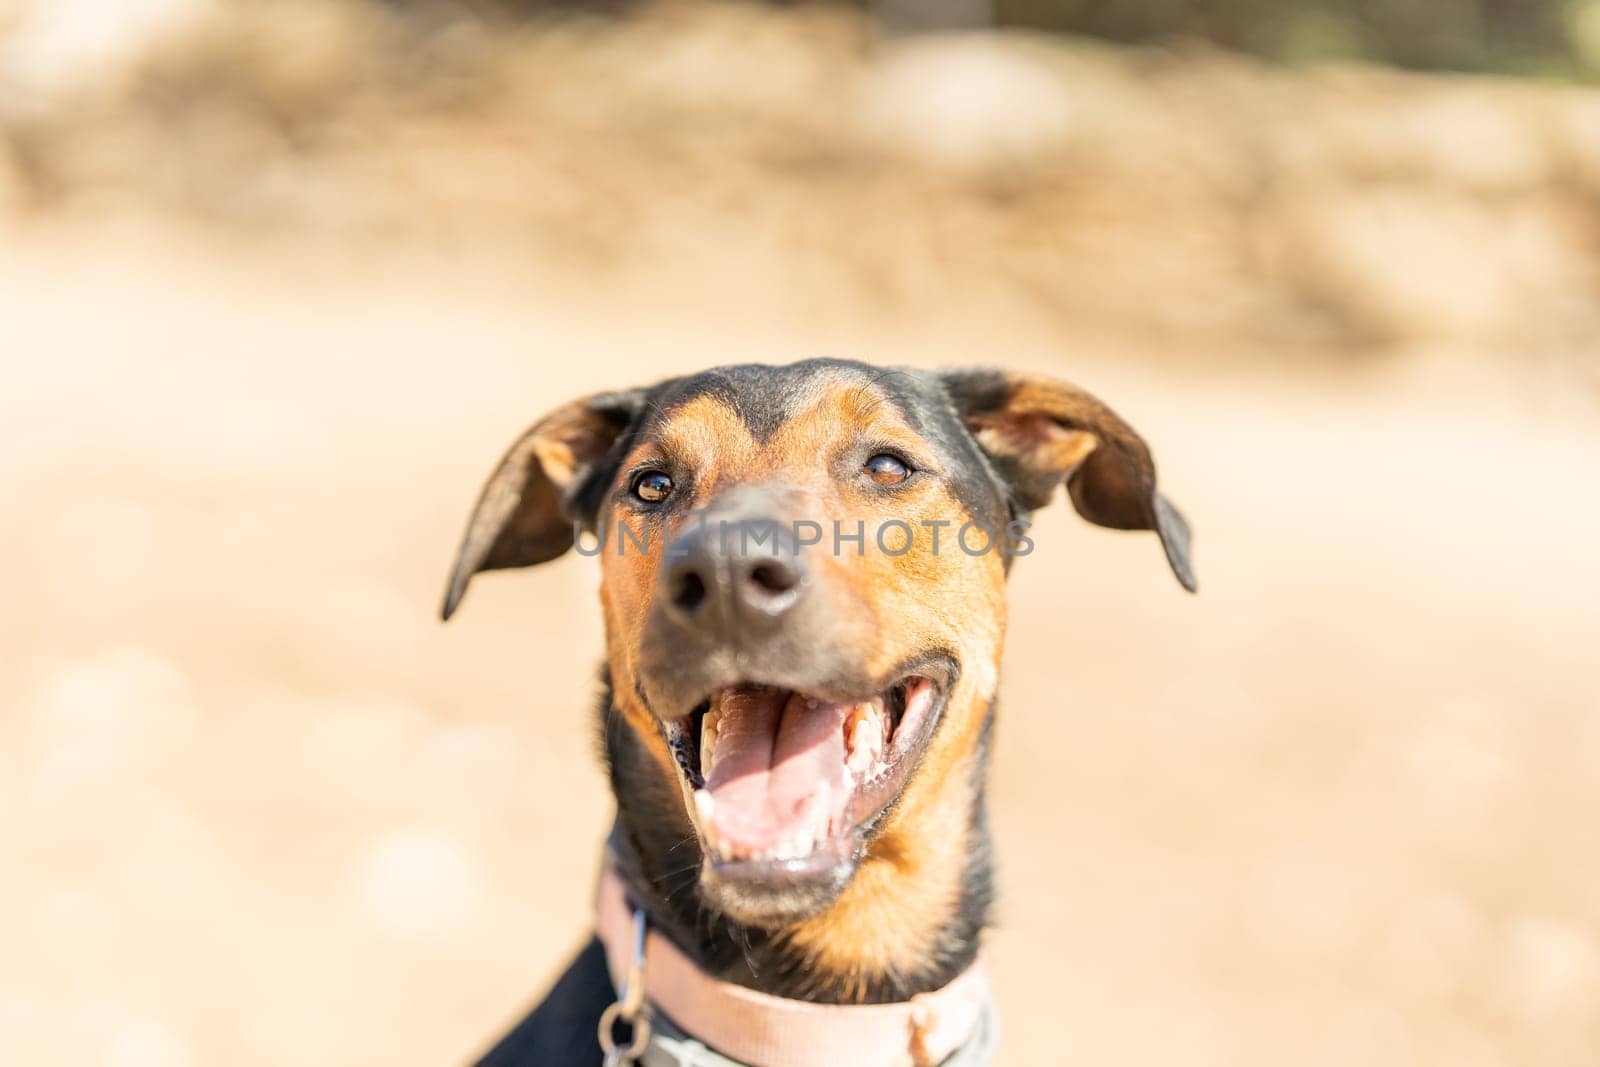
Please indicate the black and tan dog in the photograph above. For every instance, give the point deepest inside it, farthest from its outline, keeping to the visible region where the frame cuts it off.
(802, 578)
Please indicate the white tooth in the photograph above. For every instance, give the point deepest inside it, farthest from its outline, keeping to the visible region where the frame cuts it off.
(860, 717)
(866, 744)
(705, 807)
(859, 758)
(709, 729)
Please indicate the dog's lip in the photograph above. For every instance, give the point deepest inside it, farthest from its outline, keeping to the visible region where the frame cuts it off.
(937, 667)
(869, 803)
(778, 874)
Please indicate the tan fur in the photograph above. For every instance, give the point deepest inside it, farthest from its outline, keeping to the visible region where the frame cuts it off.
(1048, 445)
(886, 922)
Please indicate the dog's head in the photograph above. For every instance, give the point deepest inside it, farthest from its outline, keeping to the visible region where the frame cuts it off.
(803, 575)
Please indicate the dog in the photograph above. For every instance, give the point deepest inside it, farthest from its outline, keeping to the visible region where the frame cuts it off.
(803, 578)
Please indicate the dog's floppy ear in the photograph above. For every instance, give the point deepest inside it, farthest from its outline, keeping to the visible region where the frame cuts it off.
(1038, 433)
(544, 483)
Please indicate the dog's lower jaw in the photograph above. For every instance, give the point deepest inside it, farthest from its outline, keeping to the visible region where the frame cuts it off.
(776, 908)
(884, 936)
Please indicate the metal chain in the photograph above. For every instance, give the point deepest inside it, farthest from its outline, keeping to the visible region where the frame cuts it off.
(630, 1008)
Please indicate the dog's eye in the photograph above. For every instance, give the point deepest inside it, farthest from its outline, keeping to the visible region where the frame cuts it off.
(887, 470)
(652, 487)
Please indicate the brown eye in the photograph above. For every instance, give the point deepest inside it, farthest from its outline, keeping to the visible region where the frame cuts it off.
(652, 487)
(887, 470)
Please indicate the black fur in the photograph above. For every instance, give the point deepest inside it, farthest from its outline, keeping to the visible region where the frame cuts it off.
(656, 849)
(764, 397)
(561, 1031)
(659, 857)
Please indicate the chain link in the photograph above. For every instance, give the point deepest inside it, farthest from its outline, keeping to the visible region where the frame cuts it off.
(629, 1008)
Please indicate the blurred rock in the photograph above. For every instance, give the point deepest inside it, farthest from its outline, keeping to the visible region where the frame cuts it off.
(14, 193)
(978, 103)
(1412, 263)
(53, 52)
(1153, 193)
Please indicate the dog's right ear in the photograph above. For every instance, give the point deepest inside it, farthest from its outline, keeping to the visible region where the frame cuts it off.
(543, 485)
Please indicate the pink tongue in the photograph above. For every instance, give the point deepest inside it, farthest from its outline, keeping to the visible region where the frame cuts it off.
(774, 750)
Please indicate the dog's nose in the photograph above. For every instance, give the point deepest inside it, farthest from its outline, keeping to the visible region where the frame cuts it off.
(734, 576)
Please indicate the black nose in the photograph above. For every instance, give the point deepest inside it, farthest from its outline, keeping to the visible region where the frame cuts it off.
(733, 576)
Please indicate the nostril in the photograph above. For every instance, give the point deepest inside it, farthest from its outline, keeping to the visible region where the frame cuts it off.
(772, 578)
(690, 591)
(769, 578)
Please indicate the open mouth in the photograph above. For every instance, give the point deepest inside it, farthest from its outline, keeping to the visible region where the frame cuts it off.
(782, 782)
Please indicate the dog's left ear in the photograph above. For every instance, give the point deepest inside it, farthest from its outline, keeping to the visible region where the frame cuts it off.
(1039, 433)
(544, 483)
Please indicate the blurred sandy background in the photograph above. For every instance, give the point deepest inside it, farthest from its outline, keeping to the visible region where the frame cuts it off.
(278, 282)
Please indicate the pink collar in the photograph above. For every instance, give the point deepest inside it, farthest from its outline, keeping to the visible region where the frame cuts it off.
(768, 1031)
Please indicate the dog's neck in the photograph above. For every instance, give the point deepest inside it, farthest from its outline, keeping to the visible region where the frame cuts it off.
(939, 901)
